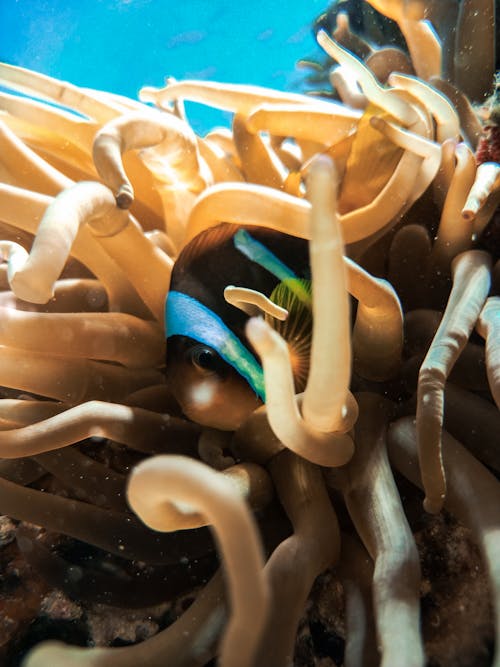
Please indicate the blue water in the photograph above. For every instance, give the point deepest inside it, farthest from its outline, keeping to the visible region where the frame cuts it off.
(122, 45)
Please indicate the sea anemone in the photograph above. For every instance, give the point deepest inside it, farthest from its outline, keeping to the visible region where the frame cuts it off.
(98, 199)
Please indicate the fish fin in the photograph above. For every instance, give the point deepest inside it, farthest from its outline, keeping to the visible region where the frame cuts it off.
(295, 296)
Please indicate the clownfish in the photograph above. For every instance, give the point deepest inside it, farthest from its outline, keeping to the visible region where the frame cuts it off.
(212, 370)
(211, 367)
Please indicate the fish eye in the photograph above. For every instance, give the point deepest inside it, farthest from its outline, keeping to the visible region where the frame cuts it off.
(206, 359)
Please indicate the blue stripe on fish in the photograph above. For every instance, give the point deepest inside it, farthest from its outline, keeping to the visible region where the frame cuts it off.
(185, 316)
(258, 253)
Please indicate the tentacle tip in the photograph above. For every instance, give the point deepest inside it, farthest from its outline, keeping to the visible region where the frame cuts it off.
(27, 290)
(257, 332)
(147, 94)
(322, 164)
(468, 214)
(434, 505)
(125, 197)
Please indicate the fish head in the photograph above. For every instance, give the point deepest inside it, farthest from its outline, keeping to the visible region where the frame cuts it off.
(212, 370)
(208, 389)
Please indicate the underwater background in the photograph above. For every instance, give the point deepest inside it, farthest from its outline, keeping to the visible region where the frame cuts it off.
(122, 45)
